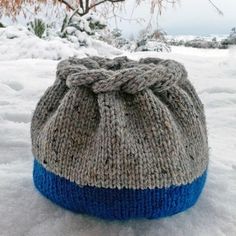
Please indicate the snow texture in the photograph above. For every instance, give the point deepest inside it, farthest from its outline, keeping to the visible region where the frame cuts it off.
(16, 42)
(24, 212)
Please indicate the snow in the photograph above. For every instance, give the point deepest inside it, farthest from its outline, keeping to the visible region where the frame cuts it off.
(24, 212)
(16, 42)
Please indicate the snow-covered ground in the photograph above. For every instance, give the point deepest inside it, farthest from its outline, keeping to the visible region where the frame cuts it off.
(24, 212)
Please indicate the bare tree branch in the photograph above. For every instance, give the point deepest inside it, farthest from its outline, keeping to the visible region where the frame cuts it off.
(81, 3)
(103, 1)
(85, 9)
(67, 4)
(217, 8)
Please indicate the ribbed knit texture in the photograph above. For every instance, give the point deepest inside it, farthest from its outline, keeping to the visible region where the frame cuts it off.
(120, 124)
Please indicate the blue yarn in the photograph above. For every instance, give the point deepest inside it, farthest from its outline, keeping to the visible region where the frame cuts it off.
(114, 203)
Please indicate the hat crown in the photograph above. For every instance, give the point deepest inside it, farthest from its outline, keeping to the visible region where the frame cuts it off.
(121, 74)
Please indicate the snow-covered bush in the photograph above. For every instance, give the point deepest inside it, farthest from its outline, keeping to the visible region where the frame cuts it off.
(198, 42)
(78, 29)
(114, 37)
(231, 40)
(152, 45)
(154, 41)
(95, 23)
(1, 25)
(232, 36)
(202, 43)
(175, 42)
(220, 42)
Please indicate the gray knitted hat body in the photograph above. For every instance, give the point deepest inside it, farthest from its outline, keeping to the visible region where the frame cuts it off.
(120, 139)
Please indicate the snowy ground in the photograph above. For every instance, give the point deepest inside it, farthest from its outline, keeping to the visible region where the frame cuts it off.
(24, 212)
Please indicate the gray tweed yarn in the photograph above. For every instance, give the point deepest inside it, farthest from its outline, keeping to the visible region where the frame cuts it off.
(121, 123)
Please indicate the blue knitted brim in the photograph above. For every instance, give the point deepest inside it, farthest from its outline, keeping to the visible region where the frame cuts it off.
(114, 203)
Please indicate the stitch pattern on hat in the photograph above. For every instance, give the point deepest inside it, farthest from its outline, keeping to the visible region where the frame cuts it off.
(117, 127)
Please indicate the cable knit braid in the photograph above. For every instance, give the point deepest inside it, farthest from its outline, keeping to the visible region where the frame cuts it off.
(123, 138)
(131, 77)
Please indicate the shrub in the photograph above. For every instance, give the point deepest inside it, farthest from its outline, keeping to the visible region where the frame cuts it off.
(78, 29)
(38, 27)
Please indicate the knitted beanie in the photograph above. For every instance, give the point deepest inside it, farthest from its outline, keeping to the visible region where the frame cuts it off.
(120, 139)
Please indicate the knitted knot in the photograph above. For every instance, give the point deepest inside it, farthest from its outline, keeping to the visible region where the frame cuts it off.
(121, 74)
